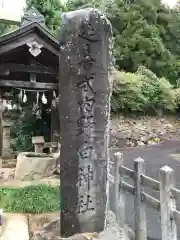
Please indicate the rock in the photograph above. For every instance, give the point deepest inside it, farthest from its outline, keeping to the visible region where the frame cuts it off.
(52, 232)
(38, 221)
(7, 173)
(56, 156)
(9, 163)
(143, 131)
(34, 168)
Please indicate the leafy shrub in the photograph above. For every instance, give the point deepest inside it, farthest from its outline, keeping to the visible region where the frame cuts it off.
(166, 96)
(28, 125)
(158, 91)
(127, 94)
(142, 91)
(176, 94)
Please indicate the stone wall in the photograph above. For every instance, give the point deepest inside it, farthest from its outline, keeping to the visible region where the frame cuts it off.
(143, 131)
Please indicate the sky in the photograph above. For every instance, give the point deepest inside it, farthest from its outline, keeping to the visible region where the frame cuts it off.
(170, 2)
(13, 8)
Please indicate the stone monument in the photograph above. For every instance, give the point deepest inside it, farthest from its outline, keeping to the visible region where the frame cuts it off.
(38, 142)
(6, 140)
(84, 107)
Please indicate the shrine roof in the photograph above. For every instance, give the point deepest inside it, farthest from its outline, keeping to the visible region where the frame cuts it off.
(32, 31)
(33, 26)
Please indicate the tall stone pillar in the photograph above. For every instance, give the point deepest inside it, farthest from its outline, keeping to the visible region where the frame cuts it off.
(84, 103)
(6, 140)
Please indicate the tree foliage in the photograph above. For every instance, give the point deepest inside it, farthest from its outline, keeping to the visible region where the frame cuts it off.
(146, 32)
(6, 28)
(28, 125)
(143, 91)
(51, 10)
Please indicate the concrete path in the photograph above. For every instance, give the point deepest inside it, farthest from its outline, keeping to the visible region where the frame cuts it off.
(15, 227)
(157, 156)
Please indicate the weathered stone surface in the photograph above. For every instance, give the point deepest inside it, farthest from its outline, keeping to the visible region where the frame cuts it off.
(6, 150)
(8, 163)
(7, 173)
(38, 142)
(38, 221)
(111, 231)
(50, 232)
(33, 168)
(84, 117)
(56, 155)
(84, 106)
(55, 121)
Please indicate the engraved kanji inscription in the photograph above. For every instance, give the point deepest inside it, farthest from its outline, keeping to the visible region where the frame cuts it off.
(85, 125)
(85, 204)
(87, 49)
(86, 121)
(85, 176)
(85, 152)
(89, 32)
(86, 88)
(87, 61)
(88, 77)
(87, 106)
(84, 106)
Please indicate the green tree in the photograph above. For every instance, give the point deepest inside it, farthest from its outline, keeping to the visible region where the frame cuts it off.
(5, 28)
(140, 32)
(51, 10)
(142, 92)
(137, 37)
(127, 94)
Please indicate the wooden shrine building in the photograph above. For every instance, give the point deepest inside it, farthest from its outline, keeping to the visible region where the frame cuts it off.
(29, 61)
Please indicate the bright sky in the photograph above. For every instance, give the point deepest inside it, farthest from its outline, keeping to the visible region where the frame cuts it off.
(170, 2)
(13, 8)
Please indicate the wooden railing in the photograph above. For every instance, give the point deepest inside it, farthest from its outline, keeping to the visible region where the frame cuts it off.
(170, 216)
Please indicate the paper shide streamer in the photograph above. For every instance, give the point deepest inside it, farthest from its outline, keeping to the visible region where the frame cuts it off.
(40, 99)
(36, 105)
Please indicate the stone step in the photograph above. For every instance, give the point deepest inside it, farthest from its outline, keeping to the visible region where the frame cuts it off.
(15, 227)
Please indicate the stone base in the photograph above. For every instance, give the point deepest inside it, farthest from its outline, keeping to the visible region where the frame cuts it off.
(7, 153)
(33, 166)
